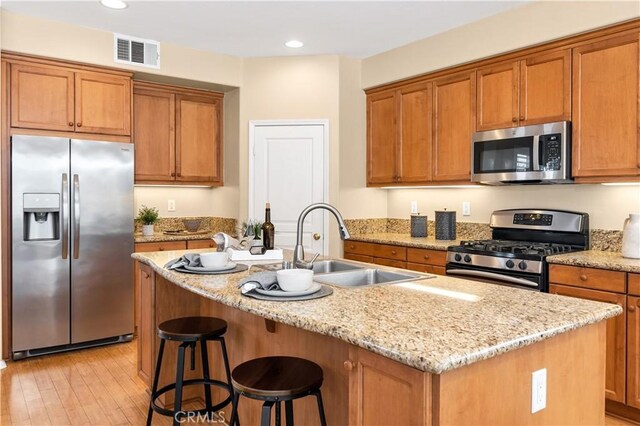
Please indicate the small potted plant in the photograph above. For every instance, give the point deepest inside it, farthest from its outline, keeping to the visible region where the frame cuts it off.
(147, 216)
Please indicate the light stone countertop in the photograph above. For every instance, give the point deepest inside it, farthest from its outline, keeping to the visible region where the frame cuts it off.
(597, 259)
(159, 237)
(404, 240)
(410, 323)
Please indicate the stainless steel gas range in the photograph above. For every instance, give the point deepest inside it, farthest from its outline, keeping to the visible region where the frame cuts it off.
(522, 239)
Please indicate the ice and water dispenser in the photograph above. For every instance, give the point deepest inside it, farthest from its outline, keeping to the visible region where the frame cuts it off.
(41, 217)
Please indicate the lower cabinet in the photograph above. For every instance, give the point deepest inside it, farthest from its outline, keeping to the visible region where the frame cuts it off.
(422, 260)
(384, 392)
(145, 320)
(633, 351)
(200, 244)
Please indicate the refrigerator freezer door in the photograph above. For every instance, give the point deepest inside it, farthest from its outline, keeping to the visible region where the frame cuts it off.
(40, 267)
(101, 240)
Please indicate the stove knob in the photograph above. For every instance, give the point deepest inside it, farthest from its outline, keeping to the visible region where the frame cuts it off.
(510, 264)
(467, 258)
(522, 265)
(458, 257)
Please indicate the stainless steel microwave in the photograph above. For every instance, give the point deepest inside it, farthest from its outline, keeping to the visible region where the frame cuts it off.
(519, 155)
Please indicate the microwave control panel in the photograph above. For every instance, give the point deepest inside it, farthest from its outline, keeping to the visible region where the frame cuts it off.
(550, 151)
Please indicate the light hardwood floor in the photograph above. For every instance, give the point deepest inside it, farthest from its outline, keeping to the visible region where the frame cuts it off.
(89, 387)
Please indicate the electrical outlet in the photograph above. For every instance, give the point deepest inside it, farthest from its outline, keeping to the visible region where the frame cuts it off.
(414, 207)
(171, 205)
(466, 208)
(538, 390)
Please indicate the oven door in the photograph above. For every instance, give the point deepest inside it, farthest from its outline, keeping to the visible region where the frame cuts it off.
(507, 278)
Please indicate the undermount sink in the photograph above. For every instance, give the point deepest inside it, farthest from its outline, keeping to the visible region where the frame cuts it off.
(365, 277)
(330, 266)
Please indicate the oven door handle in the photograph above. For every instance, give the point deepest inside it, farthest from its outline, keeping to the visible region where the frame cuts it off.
(490, 275)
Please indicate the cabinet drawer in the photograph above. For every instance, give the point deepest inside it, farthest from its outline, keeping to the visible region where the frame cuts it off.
(161, 246)
(429, 269)
(598, 279)
(357, 247)
(390, 252)
(358, 257)
(430, 257)
(634, 284)
(390, 262)
(200, 244)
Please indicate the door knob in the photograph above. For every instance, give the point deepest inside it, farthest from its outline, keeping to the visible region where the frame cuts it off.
(316, 236)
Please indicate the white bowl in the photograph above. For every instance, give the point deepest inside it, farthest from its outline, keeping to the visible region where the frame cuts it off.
(218, 259)
(295, 279)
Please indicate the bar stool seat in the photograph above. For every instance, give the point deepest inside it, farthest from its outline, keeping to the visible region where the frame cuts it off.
(277, 379)
(192, 329)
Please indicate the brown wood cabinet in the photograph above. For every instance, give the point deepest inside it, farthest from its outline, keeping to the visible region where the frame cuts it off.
(381, 138)
(145, 320)
(428, 261)
(528, 91)
(397, 256)
(178, 135)
(160, 246)
(605, 108)
(60, 98)
(591, 278)
(201, 244)
(633, 351)
(616, 337)
(454, 121)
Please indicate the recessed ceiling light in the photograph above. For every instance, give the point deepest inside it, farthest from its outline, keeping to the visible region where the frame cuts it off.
(294, 44)
(113, 4)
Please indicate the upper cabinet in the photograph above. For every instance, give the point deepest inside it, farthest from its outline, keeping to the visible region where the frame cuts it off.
(381, 138)
(605, 108)
(528, 91)
(178, 135)
(62, 98)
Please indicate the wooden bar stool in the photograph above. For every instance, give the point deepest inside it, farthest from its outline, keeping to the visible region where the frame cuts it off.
(190, 331)
(276, 379)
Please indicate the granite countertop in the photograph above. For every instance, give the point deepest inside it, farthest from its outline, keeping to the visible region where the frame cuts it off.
(159, 237)
(413, 323)
(405, 240)
(597, 259)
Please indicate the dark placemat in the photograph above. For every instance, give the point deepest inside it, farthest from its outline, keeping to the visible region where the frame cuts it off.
(324, 291)
(238, 268)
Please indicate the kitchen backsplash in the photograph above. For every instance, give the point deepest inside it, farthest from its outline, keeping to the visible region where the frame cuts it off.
(209, 223)
(601, 239)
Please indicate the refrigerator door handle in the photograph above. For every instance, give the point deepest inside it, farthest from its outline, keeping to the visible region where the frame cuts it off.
(65, 216)
(76, 217)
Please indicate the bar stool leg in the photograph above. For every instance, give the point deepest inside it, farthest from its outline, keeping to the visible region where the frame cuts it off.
(233, 421)
(156, 378)
(278, 414)
(323, 420)
(205, 374)
(266, 413)
(288, 411)
(225, 358)
(177, 404)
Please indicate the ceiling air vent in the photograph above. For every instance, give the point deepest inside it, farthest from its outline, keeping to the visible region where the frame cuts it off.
(136, 51)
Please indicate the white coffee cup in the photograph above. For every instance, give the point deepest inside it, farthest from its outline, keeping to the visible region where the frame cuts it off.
(295, 279)
(214, 260)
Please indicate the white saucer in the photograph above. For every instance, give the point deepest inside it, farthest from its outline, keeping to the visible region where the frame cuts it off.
(227, 267)
(279, 293)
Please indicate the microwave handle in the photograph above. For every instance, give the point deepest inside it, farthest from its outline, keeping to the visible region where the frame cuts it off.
(536, 153)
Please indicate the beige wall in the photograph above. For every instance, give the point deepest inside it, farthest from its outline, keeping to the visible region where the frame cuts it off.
(523, 26)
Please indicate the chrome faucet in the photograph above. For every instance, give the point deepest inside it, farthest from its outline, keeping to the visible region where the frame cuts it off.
(298, 253)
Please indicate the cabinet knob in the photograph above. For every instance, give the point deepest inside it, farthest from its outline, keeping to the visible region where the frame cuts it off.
(79, 124)
(348, 365)
(514, 119)
(161, 248)
(212, 245)
(71, 124)
(583, 277)
(146, 275)
(632, 308)
(179, 174)
(173, 174)
(426, 257)
(393, 252)
(522, 118)
(352, 247)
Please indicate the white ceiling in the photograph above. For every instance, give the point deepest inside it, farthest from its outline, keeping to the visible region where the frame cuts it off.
(260, 28)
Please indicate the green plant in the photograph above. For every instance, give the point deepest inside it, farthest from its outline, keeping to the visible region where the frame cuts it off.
(257, 229)
(148, 215)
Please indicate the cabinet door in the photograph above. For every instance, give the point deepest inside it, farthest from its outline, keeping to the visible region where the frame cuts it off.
(381, 138)
(498, 96)
(633, 351)
(103, 104)
(145, 321)
(605, 108)
(198, 139)
(545, 88)
(414, 162)
(454, 119)
(42, 98)
(616, 338)
(200, 244)
(384, 392)
(154, 135)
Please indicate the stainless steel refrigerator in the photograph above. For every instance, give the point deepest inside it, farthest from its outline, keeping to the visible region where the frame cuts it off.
(72, 230)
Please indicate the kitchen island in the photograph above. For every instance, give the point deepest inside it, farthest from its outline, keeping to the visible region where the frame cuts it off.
(435, 351)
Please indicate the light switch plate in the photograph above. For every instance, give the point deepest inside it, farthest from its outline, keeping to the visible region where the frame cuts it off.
(171, 205)
(414, 207)
(466, 208)
(538, 390)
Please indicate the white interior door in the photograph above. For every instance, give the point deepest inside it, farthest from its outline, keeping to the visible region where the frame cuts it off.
(289, 172)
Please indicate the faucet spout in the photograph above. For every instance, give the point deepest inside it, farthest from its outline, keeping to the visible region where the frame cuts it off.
(298, 253)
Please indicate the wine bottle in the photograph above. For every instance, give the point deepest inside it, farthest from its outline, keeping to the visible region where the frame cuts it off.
(268, 230)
